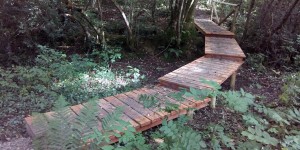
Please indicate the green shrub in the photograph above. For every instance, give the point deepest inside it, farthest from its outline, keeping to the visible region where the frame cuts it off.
(291, 89)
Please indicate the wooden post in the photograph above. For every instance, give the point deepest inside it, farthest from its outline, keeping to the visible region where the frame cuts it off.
(232, 82)
(213, 102)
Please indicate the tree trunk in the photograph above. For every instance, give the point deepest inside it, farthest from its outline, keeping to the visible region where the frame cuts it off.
(179, 24)
(248, 19)
(286, 17)
(190, 12)
(130, 40)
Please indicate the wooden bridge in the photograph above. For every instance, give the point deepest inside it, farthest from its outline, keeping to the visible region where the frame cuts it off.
(223, 57)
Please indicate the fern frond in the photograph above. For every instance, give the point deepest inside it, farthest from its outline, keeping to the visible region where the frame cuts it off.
(271, 113)
(291, 142)
(294, 115)
(260, 135)
(214, 85)
(251, 119)
(238, 101)
(199, 94)
(148, 101)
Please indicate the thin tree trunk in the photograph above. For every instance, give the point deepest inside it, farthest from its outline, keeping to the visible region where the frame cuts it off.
(248, 18)
(179, 23)
(129, 36)
(173, 10)
(190, 12)
(286, 17)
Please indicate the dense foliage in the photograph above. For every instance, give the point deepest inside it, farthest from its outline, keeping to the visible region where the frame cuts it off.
(26, 89)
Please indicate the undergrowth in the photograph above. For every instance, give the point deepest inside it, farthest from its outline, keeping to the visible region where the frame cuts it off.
(262, 127)
(26, 89)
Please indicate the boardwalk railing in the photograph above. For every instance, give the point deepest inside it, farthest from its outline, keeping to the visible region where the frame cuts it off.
(215, 16)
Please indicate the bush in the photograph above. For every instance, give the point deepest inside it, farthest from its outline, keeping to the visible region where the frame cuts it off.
(291, 90)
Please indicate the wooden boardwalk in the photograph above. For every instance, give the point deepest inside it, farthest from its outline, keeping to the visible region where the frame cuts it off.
(223, 58)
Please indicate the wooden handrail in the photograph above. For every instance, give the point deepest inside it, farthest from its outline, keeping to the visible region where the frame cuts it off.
(226, 3)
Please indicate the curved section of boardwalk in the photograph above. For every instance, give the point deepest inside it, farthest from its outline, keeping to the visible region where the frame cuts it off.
(223, 58)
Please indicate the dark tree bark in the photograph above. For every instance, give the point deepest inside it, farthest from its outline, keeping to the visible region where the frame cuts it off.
(286, 17)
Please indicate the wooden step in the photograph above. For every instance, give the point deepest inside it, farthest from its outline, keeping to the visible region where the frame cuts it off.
(213, 69)
(220, 46)
(209, 28)
(134, 112)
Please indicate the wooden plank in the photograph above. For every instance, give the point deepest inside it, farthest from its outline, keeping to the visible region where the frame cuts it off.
(182, 107)
(168, 91)
(222, 69)
(77, 109)
(101, 112)
(139, 107)
(223, 47)
(139, 118)
(199, 104)
(169, 114)
(135, 96)
(36, 128)
(188, 80)
(71, 116)
(186, 103)
(197, 74)
(217, 62)
(201, 72)
(209, 65)
(109, 108)
(239, 59)
(209, 28)
(180, 83)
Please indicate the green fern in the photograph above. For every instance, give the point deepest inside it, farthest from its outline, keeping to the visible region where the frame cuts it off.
(177, 137)
(214, 85)
(169, 128)
(188, 141)
(169, 106)
(215, 144)
(292, 142)
(179, 96)
(238, 101)
(260, 135)
(218, 137)
(271, 114)
(138, 143)
(251, 119)
(59, 134)
(148, 101)
(294, 115)
(249, 145)
(86, 125)
(201, 94)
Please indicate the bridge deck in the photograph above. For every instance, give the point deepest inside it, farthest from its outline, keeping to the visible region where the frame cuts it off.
(209, 28)
(223, 57)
